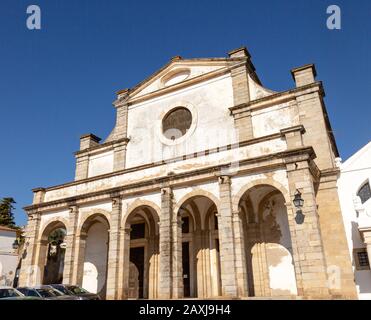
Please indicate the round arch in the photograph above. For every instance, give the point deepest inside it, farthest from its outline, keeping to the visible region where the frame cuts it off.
(259, 182)
(89, 216)
(52, 224)
(197, 193)
(137, 204)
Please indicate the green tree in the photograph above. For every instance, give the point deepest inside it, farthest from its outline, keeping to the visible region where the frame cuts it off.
(6, 214)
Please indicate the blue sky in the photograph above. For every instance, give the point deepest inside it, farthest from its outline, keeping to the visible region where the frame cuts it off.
(58, 83)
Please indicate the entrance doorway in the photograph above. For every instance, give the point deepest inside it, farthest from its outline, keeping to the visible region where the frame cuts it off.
(137, 258)
(186, 270)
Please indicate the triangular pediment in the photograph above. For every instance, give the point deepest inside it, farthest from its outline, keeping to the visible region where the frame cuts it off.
(180, 71)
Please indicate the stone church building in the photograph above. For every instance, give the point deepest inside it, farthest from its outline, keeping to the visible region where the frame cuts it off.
(192, 194)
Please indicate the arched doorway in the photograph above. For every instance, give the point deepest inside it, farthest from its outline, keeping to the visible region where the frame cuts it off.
(200, 248)
(142, 253)
(268, 246)
(52, 252)
(95, 253)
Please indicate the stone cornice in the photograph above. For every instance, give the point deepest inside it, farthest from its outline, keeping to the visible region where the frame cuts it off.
(107, 146)
(171, 160)
(267, 162)
(277, 98)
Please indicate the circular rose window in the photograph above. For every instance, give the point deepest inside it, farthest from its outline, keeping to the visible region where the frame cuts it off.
(176, 123)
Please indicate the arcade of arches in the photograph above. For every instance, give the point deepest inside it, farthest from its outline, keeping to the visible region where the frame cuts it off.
(194, 240)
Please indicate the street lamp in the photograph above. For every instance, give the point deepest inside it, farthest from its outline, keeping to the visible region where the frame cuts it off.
(15, 244)
(298, 203)
(298, 200)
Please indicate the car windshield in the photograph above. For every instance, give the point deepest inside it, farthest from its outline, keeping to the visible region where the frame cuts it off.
(48, 293)
(77, 290)
(62, 289)
(8, 293)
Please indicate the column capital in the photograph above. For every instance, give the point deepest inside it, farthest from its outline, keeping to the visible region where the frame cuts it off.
(224, 179)
(116, 199)
(73, 208)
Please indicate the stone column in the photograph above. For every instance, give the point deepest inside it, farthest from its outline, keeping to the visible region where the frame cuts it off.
(70, 240)
(226, 239)
(241, 269)
(308, 252)
(114, 249)
(177, 264)
(78, 264)
(124, 264)
(29, 271)
(165, 266)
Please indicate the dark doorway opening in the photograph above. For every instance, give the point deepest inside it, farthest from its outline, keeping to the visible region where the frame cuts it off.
(186, 269)
(137, 257)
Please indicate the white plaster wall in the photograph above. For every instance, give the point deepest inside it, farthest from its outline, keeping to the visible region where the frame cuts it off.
(212, 188)
(6, 241)
(239, 182)
(279, 255)
(86, 210)
(257, 91)
(354, 172)
(271, 120)
(47, 217)
(8, 257)
(8, 265)
(100, 164)
(95, 263)
(210, 99)
(127, 202)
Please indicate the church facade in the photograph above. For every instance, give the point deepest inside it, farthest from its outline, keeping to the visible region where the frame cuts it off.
(209, 185)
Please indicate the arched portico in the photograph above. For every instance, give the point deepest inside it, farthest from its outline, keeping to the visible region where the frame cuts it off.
(199, 245)
(92, 246)
(51, 250)
(141, 250)
(267, 241)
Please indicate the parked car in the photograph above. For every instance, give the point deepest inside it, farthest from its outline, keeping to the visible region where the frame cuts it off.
(76, 291)
(9, 293)
(45, 292)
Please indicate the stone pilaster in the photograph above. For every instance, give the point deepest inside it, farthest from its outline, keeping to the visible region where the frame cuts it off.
(82, 167)
(308, 252)
(241, 94)
(114, 249)
(334, 238)
(30, 272)
(119, 154)
(226, 239)
(70, 240)
(165, 266)
(121, 126)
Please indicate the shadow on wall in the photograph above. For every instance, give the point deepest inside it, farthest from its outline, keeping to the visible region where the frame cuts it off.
(362, 277)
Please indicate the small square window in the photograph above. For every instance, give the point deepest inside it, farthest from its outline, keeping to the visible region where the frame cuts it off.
(137, 231)
(364, 192)
(361, 259)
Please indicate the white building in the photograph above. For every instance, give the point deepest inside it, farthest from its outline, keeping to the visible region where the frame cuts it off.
(8, 256)
(191, 195)
(355, 200)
